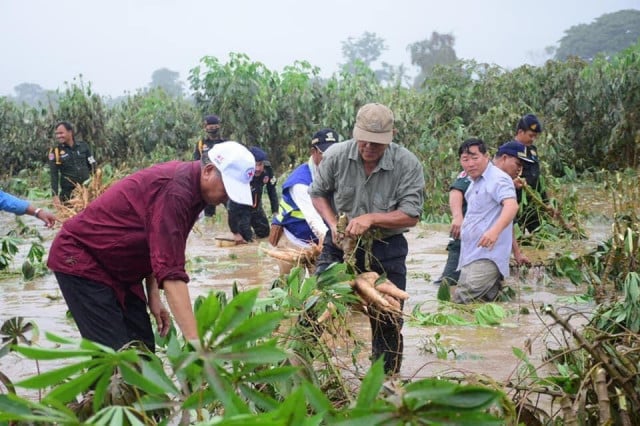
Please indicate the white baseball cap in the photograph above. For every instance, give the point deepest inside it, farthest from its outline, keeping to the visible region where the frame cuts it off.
(237, 167)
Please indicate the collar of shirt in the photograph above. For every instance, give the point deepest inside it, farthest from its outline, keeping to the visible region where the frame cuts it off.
(386, 162)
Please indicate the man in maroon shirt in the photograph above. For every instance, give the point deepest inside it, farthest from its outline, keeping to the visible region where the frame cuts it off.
(137, 230)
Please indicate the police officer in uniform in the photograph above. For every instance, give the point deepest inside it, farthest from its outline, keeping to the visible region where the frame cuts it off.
(70, 163)
(245, 220)
(527, 130)
(212, 137)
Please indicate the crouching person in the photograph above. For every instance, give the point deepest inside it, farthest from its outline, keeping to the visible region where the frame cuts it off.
(487, 229)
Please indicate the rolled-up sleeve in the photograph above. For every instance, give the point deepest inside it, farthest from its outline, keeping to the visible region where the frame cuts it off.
(168, 231)
(411, 190)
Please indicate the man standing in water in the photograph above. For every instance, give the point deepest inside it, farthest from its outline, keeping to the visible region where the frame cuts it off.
(527, 131)
(379, 185)
(137, 231)
(487, 229)
(70, 162)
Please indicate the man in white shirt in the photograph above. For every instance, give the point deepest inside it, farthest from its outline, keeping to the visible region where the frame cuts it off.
(487, 229)
(297, 218)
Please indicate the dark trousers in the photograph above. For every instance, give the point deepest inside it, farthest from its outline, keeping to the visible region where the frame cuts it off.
(65, 192)
(100, 317)
(388, 257)
(450, 274)
(245, 220)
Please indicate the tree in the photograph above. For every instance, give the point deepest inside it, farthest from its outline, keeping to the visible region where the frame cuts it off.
(30, 93)
(608, 34)
(167, 80)
(426, 54)
(367, 48)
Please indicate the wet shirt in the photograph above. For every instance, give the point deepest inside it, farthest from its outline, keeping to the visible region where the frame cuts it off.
(69, 165)
(397, 182)
(138, 226)
(484, 204)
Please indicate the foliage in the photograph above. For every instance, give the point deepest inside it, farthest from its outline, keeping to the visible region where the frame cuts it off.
(167, 80)
(9, 247)
(589, 375)
(24, 134)
(240, 92)
(85, 109)
(30, 94)
(435, 50)
(622, 314)
(366, 49)
(481, 314)
(150, 122)
(33, 265)
(610, 264)
(589, 112)
(238, 372)
(607, 35)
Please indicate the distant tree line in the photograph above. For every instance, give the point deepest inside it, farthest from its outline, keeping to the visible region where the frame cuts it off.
(589, 110)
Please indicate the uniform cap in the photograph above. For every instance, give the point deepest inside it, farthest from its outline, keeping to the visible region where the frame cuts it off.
(323, 139)
(212, 119)
(514, 149)
(258, 154)
(530, 122)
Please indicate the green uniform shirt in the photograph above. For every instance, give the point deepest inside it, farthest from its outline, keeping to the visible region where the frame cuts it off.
(397, 183)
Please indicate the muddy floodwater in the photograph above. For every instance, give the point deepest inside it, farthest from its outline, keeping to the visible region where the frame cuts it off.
(472, 349)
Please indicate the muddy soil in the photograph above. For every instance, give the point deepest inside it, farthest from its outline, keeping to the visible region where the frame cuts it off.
(472, 349)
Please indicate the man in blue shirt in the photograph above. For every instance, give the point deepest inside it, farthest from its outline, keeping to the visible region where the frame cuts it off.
(12, 204)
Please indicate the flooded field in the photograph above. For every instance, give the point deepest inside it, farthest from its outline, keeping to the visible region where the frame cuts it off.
(482, 350)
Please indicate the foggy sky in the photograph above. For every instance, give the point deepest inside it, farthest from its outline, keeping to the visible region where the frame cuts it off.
(117, 44)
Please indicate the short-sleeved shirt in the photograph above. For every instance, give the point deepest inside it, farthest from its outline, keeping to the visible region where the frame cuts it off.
(137, 227)
(484, 205)
(397, 182)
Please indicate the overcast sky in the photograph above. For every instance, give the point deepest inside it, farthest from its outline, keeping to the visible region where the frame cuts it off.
(117, 44)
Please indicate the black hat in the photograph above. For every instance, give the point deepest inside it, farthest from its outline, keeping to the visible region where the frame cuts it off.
(530, 122)
(212, 119)
(258, 154)
(323, 139)
(514, 149)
